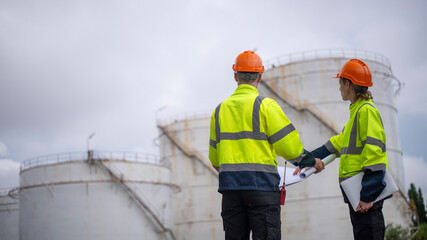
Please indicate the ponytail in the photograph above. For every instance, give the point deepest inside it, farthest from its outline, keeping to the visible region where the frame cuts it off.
(361, 91)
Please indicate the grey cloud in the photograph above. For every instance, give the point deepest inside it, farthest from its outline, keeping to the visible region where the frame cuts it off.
(70, 68)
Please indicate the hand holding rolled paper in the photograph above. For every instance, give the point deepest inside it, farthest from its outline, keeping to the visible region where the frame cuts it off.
(301, 174)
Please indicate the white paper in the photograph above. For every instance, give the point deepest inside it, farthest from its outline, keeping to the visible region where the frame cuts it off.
(290, 178)
(353, 186)
(305, 173)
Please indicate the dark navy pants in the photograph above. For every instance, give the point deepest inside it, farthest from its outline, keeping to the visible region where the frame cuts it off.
(246, 211)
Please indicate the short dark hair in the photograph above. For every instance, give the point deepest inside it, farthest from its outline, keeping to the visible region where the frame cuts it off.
(248, 76)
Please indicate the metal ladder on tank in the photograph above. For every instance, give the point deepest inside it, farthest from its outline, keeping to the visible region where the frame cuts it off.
(188, 152)
(139, 198)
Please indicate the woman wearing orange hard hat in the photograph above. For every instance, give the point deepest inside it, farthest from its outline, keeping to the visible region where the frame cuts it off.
(362, 148)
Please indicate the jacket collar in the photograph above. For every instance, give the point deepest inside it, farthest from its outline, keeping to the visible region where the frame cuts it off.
(246, 88)
(354, 106)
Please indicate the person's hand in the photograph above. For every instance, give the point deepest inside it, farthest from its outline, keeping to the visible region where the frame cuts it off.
(320, 165)
(364, 206)
(297, 171)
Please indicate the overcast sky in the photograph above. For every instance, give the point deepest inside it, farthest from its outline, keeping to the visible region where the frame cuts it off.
(70, 68)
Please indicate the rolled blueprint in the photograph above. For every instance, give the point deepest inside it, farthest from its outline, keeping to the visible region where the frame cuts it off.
(305, 173)
(311, 170)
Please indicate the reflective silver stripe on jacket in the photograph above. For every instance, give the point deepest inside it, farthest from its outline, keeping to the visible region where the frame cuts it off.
(212, 143)
(255, 134)
(243, 135)
(375, 167)
(282, 133)
(248, 167)
(331, 148)
(217, 129)
(352, 148)
(299, 158)
(375, 142)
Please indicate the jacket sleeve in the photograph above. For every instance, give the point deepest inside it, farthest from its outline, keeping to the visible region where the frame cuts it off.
(321, 152)
(213, 154)
(372, 185)
(283, 135)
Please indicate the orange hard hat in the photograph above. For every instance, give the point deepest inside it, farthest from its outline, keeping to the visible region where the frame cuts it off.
(248, 61)
(357, 72)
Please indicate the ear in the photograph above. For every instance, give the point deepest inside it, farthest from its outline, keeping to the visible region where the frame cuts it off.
(259, 78)
(347, 84)
(236, 78)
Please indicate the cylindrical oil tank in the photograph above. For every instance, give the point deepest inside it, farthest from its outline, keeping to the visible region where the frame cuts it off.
(9, 214)
(98, 195)
(184, 141)
(304, 86)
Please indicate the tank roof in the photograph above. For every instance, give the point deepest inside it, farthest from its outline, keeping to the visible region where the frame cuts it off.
(327, 53)
(82, 156)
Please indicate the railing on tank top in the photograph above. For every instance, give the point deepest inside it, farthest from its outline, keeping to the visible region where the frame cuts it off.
(327, 53)
(183, 117)
(83, 156)
(11, 192)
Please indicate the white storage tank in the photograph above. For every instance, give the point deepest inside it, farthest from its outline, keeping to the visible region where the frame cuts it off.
(184, 140)
(96, 195)
(9, 214)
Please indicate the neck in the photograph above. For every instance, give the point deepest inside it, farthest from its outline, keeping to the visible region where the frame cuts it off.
(352, 97)
(253, 84)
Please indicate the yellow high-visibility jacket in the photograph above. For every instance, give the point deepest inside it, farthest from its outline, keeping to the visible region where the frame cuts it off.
(246, 133)
(362, 143)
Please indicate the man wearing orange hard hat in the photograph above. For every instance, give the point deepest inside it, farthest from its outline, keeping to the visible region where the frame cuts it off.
(246, 133)
(362, 148)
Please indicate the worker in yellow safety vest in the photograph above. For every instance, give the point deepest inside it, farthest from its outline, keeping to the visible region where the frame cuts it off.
(362, 148)
(246, 133)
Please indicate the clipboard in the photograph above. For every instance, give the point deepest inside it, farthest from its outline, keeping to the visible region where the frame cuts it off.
(353, 186)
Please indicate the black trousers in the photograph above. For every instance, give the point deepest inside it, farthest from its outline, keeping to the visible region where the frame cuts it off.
(256, 211)
(368, 225)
